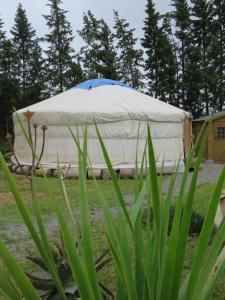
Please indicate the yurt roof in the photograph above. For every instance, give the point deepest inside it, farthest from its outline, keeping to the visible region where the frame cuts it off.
(102, 101)
(93, 83)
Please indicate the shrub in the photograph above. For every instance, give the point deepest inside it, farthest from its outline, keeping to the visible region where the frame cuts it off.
(6, 149)
(196, 222)
(147, 266)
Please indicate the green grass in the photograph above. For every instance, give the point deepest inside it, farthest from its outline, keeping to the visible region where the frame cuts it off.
(202, 196)
(9, 211)
(10, 216)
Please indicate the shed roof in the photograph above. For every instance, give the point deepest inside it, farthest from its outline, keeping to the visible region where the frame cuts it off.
(211, 117)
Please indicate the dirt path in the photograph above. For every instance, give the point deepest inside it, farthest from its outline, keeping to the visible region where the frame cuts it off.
(209, 173)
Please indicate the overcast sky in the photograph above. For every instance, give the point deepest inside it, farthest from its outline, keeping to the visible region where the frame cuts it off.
(132, 10)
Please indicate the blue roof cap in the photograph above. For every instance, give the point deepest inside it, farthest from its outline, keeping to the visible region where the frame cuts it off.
(93, 83)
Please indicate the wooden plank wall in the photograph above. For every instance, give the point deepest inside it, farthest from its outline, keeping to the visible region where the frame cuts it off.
(217, 145)
(215, 148)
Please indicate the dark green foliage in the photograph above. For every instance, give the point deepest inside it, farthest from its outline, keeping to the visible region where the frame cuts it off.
(160, 62)
(190, 72)
(168, 64)
(195, 223)
(10, 94)
(130, 59)
(59, 50)
(27, 67)
(217, 55)
(38, 87)
(181, 16)
(20, 69)
(202, 13)
(185, 64)
(106, 55)
(150, 42)
(6, 149)
(75, 73)
(98, 56)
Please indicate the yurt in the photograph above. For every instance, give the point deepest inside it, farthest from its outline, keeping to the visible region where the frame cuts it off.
(121, 114)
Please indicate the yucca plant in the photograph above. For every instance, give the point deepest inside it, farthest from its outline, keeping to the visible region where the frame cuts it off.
(44, 283)
(148, 262)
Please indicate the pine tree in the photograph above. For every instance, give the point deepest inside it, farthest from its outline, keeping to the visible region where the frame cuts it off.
(202, 31)
(130, 59)
(192, 82)
(59, 52)
(2, 100)
(106, 55)
(182, 32)
(88, 53)
(9, 86)
(160, 62)
(2, 34)
(2, 42)
(188, 58)
(167, 64)
(37, 89)
(150, 42)
(98, 55)
(25, 45)
(218, 55)
(75, 73)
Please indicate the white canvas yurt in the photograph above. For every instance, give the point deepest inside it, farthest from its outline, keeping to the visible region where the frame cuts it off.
(119, 112)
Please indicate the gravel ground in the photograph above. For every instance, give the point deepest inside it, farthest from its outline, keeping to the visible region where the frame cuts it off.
(209, 173)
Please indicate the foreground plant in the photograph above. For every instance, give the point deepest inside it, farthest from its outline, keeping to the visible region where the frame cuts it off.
(148, 263)
(45, 284)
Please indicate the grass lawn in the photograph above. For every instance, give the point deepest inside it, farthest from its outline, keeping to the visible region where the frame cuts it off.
(14, 234)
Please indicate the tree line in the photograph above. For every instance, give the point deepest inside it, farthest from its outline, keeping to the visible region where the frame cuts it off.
(180, 59)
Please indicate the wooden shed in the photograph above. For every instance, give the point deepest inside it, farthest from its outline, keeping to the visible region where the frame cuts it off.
(215, 147)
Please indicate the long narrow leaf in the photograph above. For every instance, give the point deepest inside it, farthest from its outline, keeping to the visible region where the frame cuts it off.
(205, 235)
(76, 264)
(186, 219)
(24, 284)
(85, 221)
(156, 204)
(7, 286)
(46, 251)
(210, 261)
(214, 275)
(168, 273)
(114, 180)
